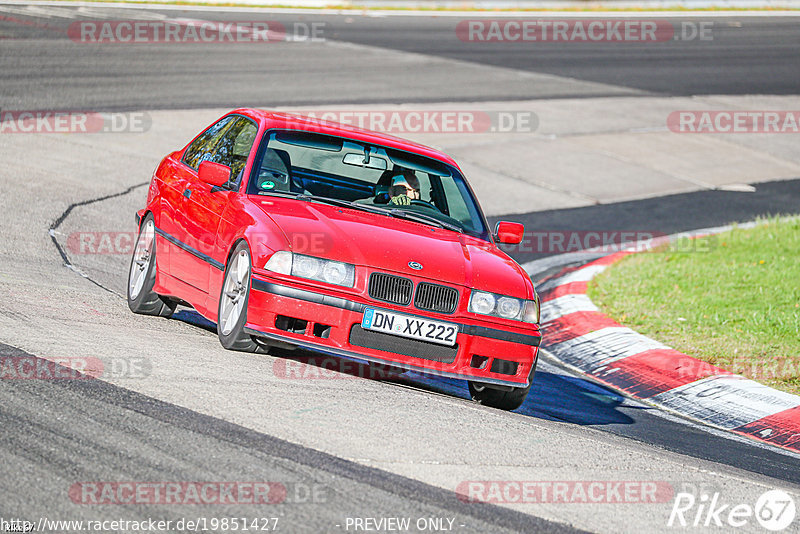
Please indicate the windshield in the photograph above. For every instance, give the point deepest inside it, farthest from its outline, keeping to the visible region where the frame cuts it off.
(369, 177)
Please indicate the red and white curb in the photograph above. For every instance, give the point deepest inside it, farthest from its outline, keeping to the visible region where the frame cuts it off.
(578, 334)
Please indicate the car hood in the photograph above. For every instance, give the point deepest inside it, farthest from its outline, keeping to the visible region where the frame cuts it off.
(390, 244)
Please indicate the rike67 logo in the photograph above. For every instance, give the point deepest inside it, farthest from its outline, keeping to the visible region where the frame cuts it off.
(774, 510)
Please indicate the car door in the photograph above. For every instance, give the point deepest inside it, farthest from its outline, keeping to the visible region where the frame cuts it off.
(177, 175)
(203, 205)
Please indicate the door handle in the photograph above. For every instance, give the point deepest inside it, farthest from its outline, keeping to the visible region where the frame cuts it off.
(187, 193)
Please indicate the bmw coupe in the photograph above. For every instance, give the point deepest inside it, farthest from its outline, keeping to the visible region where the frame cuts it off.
(287, 231)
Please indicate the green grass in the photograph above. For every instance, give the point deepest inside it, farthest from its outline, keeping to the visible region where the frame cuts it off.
(734, 301)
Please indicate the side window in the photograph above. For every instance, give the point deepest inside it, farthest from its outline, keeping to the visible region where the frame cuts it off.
(202, 147)
(233, 148)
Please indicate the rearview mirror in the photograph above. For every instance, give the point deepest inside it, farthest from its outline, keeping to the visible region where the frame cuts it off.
(214, 173)
(509, 233)
(372, 162)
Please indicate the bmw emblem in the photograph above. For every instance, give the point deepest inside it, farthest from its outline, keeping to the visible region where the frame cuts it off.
(415, 265)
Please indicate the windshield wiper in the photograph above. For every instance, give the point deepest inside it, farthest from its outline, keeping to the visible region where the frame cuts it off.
(342, 203)
(307, 197)
(287, 194)
(398, 213)
(425, 219)
(325, 200)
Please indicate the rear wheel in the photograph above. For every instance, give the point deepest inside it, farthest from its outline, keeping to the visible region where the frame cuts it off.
(142, 275)
(502, 399)
(232, 310)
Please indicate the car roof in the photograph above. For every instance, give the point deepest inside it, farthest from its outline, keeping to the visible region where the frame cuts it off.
(298, 122)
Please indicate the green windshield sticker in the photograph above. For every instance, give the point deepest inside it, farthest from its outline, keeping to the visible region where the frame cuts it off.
(267, 185)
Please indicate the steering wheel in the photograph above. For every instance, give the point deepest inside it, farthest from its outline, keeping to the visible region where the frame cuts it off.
(424, 204)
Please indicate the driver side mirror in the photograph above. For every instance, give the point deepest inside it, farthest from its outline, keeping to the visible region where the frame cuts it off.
(215, 174)
(509, 233)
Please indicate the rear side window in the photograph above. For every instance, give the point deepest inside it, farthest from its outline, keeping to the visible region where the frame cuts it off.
(202, 148)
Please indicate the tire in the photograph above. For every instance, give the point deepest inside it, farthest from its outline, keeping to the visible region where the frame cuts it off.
(503, 400)
(142, 275)
(233, 299)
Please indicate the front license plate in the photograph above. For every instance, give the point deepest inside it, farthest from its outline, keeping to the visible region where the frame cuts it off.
(408, 326)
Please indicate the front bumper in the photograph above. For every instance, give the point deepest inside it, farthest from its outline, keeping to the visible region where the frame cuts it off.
(331, 324)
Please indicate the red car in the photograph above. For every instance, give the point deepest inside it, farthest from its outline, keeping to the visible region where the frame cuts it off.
(285, 230)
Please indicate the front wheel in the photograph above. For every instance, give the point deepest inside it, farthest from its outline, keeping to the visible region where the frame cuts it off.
(496, 398)
(142, 275)
(232, 310)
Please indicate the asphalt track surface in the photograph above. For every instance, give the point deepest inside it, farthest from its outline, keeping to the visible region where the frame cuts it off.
(55, 433)
(140, 435)
(755, 55)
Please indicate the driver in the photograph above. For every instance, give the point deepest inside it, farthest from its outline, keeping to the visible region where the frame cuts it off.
(404, 189)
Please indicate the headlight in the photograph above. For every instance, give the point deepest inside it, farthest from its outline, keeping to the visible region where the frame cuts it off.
(508, 307)
(484, 303)
(306, 267)
(280, 262)
(302, 266)
(334, 272)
